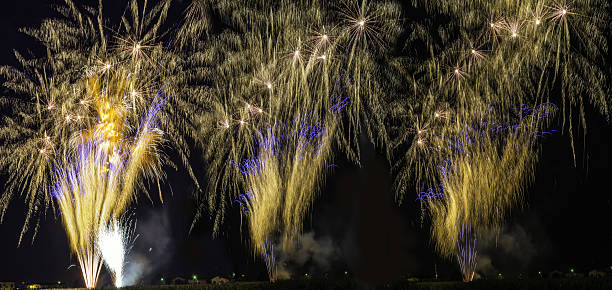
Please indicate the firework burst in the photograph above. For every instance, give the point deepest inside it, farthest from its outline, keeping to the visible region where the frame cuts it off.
(93, 81)
(87, 132)
(279, 61)
(491, 58)
(536, 51)
(480, 169)
(96, 183)
(282, 179)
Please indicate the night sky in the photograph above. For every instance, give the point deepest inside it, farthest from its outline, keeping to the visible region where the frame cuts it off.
(564, 223)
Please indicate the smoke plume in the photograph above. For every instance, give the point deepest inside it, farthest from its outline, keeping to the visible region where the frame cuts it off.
(151, 249)
(511, 251)
(311, 255)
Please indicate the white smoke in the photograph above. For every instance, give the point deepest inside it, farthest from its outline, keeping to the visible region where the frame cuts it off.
(151, 249)
(513, 247)
(317, 253)
(485, 267)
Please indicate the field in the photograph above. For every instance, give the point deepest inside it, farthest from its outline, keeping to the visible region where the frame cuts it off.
(312, 284)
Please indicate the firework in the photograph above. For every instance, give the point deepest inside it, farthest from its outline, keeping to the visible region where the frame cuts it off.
(497, 54)
(282, 172)
(95, 122)
(281, 182)
(77, 202)
(96, 184)
(114, 242)
(92, 80)
(282, 73)
(281, 60)
(270, 259)
(505, 54)
(514, 53)
(481, 168)
(466, 255)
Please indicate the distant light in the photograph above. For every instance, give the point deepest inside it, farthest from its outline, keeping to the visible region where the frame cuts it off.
(59, 282)
(324, 37)
(537, 21)
(492, 24)
(572, 270)
(563, 11)
(473, 51)
(345, 272)
(195, 277)
(539, 273)
(361, 23)
(162, 279)
(514, 34)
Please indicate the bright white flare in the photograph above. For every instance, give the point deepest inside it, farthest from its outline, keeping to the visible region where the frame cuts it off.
(113, 244)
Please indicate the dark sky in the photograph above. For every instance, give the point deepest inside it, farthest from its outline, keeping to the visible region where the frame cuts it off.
(565, 221)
